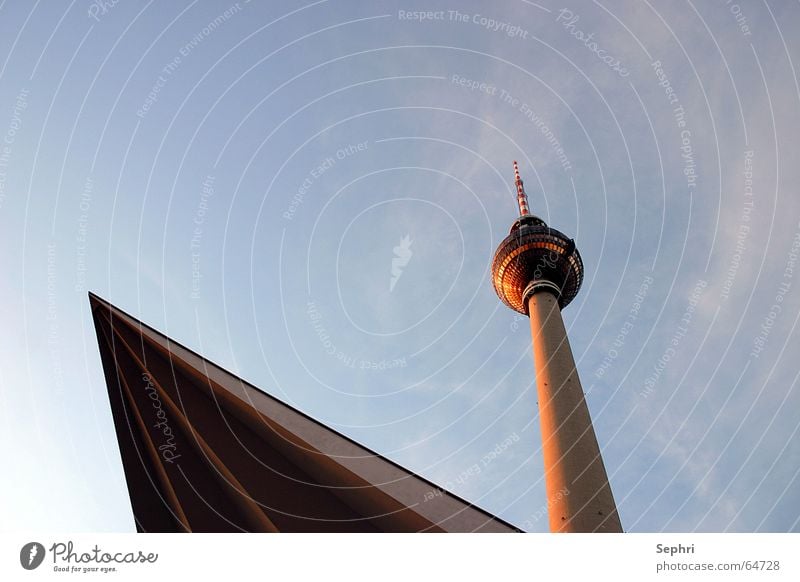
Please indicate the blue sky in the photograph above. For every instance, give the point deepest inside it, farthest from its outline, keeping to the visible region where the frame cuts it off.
(242, 175)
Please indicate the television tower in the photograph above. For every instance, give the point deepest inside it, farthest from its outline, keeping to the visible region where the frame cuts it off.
(537, 271)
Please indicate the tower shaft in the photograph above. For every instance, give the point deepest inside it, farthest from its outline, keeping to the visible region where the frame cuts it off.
(579, 497)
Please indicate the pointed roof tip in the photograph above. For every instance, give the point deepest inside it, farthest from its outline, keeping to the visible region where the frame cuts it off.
(96, 301)
(94, 298)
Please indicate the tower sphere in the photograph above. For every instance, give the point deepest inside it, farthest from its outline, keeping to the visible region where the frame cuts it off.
(532, 257)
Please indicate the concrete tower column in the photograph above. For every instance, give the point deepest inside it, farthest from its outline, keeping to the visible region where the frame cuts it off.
(579, 496)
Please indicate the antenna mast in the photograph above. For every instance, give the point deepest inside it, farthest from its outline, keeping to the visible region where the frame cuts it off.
(522, 198)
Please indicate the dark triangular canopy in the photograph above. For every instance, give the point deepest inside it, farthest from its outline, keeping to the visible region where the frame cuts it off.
(205, 451)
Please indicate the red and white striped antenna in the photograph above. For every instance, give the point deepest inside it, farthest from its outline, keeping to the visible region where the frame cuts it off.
(522, 198)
